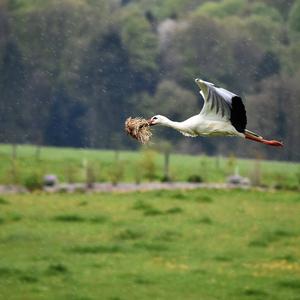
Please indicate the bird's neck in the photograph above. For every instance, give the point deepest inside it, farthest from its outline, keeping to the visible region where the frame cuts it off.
(175, 125)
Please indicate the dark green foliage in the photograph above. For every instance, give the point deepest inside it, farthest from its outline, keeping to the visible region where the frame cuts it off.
(165, 179)
(116, 172)
(33, 182)
(195, 178)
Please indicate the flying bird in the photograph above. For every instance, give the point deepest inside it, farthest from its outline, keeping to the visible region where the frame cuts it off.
(223, 114)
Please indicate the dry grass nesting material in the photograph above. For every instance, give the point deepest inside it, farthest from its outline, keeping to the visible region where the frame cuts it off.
(139, 129)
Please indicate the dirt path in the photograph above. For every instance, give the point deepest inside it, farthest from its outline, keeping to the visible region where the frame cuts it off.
(121, 187)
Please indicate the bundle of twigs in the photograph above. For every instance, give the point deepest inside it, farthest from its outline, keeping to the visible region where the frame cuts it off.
(139, 129)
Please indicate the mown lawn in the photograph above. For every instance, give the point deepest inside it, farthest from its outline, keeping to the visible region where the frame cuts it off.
(70, 165)
(156, 245)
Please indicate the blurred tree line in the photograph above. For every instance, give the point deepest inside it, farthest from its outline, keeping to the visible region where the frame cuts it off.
(71, 71)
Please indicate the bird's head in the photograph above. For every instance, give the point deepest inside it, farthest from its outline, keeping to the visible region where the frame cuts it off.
(156, 120)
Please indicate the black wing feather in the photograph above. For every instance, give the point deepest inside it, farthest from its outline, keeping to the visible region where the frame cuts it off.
(238, 114)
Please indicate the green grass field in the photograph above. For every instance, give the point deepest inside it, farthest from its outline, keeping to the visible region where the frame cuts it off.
(69, 164)
(157, 245)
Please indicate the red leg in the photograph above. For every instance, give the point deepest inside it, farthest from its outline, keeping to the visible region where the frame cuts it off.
(263, 141)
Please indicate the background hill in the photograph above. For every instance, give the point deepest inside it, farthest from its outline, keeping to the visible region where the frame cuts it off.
(71, 71)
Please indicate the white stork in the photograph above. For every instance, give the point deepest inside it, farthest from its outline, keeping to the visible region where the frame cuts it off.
(223, 114)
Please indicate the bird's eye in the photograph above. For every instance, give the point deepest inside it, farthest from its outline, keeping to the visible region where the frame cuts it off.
(154, 118)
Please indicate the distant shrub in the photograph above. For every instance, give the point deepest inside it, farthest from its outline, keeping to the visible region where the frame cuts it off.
(195, 178)
(33, 182)
(13, 174)
(148, 164)
(166, 178)
(231, 164)
(71, 172)
(116, 172)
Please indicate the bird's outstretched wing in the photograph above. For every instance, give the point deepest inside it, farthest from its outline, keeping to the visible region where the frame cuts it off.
(222, 105)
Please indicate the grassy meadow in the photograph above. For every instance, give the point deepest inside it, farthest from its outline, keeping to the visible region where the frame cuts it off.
(157, 245)
(70, 165)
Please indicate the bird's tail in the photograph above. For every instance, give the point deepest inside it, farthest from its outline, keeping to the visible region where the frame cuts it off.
(257, 138)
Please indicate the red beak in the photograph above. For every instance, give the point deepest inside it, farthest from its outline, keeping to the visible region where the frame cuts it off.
(150, 122)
